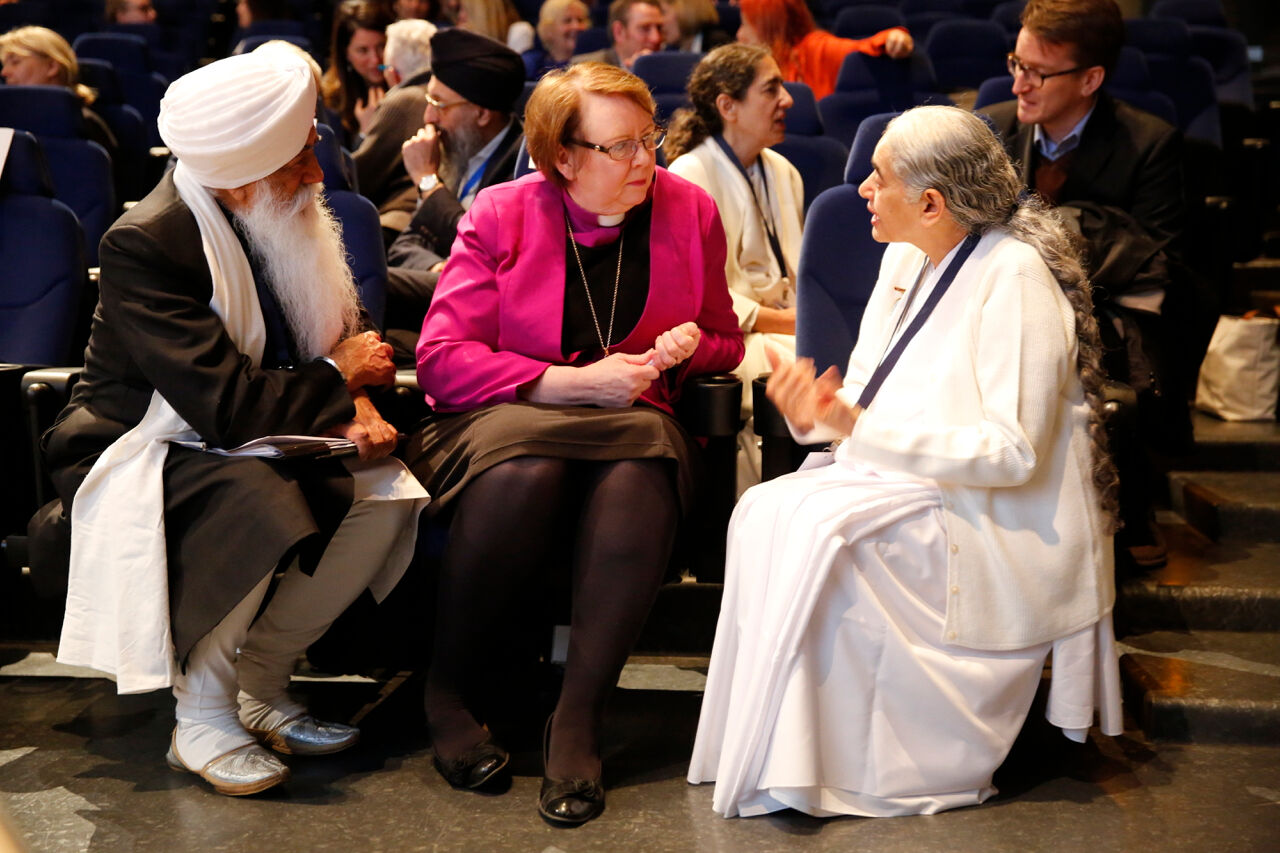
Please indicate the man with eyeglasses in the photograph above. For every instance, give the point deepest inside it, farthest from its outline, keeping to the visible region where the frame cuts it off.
(1116, 172)
(469, 142)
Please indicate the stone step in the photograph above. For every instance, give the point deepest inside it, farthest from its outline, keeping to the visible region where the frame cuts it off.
(1204, 686)
(1233, 446)
(1229, 506)
(1206, 585)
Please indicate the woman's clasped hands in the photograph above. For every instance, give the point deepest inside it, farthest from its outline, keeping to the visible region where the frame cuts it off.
(804, 398)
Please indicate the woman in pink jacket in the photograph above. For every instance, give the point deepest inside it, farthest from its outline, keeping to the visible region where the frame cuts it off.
(575, 303)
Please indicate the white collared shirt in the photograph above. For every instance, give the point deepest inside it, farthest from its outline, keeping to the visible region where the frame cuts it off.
(477, 163)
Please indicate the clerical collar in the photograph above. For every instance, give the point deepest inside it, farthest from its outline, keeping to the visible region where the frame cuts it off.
(592, 229)
(1051, 150)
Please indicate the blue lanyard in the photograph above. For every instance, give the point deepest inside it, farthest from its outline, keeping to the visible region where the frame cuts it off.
(475, 177)
(774, 244)
(882, 369)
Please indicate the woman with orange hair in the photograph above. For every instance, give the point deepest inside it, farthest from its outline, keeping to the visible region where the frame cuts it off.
(805, 53)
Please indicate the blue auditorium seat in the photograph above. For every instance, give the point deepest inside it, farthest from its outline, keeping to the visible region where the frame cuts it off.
(863, 21)
(994, 90)
(126, 123)
(839, 262)
(252, 43)
(965, 52)
(593, 39)
(868, 85)
(818, 158)
(1204, 13)
(1227, 53)
(130, 56)
(1008, 15)
(361, 230)
(80, 169)
(666, 71)
(42, 251)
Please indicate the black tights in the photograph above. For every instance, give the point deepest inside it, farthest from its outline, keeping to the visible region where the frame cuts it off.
(503, 533)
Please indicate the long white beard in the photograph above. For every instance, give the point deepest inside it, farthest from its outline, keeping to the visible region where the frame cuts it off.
(298, 245)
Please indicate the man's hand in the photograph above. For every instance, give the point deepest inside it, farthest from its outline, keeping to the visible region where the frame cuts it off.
(675, 345)
(421, 153)
(374, 438)
(364, 360)
(806, 400)
(899, 44)
(364, 110)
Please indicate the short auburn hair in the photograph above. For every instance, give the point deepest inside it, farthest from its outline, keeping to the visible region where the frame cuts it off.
(1093, 29)
(554, 112)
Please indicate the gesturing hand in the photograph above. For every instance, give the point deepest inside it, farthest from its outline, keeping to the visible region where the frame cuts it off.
(899, 44)
(374, 438)
(364, 110)
(805, 399)
(364, 360)
(675, 345)
(421, 153)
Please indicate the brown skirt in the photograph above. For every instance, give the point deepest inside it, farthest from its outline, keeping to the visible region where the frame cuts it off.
(448, 450)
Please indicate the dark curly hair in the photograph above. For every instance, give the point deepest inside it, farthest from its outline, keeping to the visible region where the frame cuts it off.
(727, 70)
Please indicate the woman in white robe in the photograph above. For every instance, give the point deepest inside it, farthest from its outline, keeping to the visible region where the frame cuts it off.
(722, 145)
(886, 617)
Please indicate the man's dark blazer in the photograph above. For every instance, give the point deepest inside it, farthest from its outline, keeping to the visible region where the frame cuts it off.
(228, 521)
(434, 225)
(1127, 159)
(379, 164)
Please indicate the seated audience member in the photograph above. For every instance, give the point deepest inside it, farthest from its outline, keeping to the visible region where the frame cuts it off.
(692, 25)
(635, 28)
(130, 12)
(379, 164)
(427, 10)
(887, 617)
(37, 56)
(722, 145)
(353, 82)
(1117, 172)
(805, 53)
(470, 141)
(559, 22)
(497, 19)
(575, 304)
(227, 313)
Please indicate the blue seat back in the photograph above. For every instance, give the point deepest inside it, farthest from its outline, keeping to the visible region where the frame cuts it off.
(1168, 36)
(857, 22)
(820, 160)
(994, 90)
(1009, 16)
(592, 39)
(965, 52)
(42, 248)
(361, 228)
(1227, 53)
(803, 118)
(42, 110)
(81, 172)
(1188, 81)
(248, 44)
(1205, 13)
(126, 51)
(667, 70)
(839, 262)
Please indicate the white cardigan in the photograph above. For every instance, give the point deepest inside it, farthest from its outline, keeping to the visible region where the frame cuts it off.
(753, 274)
(987, 402)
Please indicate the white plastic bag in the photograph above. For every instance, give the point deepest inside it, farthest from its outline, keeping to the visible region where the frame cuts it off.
(1240, 374)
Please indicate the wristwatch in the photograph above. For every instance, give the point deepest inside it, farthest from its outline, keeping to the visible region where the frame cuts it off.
(427, 184)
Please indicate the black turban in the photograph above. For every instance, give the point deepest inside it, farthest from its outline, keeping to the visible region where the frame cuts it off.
(486, 73)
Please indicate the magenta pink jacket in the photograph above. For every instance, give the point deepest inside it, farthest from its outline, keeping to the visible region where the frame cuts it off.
(495, 320)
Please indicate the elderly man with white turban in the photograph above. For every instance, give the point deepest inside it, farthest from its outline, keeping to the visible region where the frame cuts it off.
(227, 313)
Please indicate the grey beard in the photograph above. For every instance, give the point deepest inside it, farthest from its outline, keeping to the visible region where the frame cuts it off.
(298, 245)
(456, 151)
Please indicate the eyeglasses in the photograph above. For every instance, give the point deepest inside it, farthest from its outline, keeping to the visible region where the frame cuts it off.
(1034, 77)
(440, 105)
(627, 148)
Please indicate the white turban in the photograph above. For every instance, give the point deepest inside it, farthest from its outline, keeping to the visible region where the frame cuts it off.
(239, 119)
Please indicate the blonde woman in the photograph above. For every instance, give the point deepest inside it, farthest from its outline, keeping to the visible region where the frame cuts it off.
(559, 23)
(37, 56)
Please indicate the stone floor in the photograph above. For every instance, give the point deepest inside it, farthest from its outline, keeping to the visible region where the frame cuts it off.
(82, 769)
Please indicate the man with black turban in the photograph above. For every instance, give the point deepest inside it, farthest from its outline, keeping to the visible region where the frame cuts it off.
(227, 313)
(470, 142)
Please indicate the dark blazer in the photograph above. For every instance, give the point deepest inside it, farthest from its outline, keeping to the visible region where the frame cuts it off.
(434, 225)
(379, 164)
(1127, 159)
(228, 522)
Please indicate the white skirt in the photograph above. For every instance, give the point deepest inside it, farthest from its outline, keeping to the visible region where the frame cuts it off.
(830, 691)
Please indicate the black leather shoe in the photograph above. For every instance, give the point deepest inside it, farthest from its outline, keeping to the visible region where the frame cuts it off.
(570, 802)
(567, 802)
(476, 767)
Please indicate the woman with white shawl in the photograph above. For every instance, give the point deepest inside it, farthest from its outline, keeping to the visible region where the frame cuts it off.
(886, 617)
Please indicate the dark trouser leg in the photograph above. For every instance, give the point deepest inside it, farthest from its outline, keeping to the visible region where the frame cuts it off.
(502, 530)
(628, 524)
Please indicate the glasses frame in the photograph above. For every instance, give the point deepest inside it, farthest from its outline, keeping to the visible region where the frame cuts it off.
(1034, 77)
(627, 149)
(441, 106)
